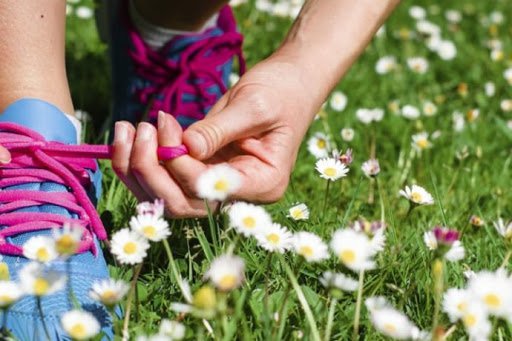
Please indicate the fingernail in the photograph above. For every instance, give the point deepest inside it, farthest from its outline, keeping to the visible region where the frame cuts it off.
(5, 159)
(161, 120)
(120, 132)
(144, 132)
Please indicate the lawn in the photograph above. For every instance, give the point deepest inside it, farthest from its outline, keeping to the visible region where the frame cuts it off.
(459, 99)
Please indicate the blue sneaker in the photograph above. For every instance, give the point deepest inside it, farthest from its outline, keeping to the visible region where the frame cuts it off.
(32, 202)
(184, 78)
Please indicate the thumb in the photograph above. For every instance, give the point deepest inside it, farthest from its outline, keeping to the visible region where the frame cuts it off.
(235, 121)
(5, 156)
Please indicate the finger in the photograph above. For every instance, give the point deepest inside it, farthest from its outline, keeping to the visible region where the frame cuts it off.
(240, 118)
(124, 134)
(156, 180)
(5, 156)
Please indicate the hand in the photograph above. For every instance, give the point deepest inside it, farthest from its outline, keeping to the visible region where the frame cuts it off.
(5, 156)
(256, 127)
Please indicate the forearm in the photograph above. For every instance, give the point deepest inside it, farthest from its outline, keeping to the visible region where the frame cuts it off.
(327, 38)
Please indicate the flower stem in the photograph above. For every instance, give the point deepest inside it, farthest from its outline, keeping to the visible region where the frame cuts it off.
(213, 225)
(381, 200)
(266, 316)
(325, 200)
(437, 271)
(506, 259)
(281, 318)
(40, 310)
(174, 269)
(136, 273)
(357, 316)
(330, 318)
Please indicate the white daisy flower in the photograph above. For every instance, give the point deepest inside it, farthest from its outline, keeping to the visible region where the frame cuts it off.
(378, 240)
(319, 145)
(390, 321)
(155, 208)
(36, 280)
(299, 212)
(249, 219)
(456, 252)
(428, 28)
(10, 292)
(490, 89)
(368, 116)
(275, 238)
(385, 65)
(172, 329)
(338, 101)
(420, 141)
(458, 121)
(233, 78)
(80, 324)
(507, 74)
(109, 291)
(67, 239)
(504, 229)
(496, 17)
(41, 249)
(410, 112)
(84, 12)
(381, 31)
(417, 64)
(331, 169)
(347, 134)
(429, 109)
(497, 55)
(453, 16)
(447, 50)
(339, 281)
(472, 115)
(506, 105)
(476, 321)
(128, 246)
(417, 12)
(455, 303)
(430, 240)
(226, 272)
(151, 227)
(493, 289)
(354, 249)
(371, 168)
(218, 182)
(417, 195)
(434, 43)
(310, 246)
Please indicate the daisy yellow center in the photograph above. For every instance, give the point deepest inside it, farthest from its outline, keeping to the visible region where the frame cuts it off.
(149, 231)
(389, 328)
(221, 185)
(471, 115)
(297, 213)
(273, 238)
(469, 320)
(227, 282)
(4, 272)
(416, 197)
(321, 143)
(462, 306)
(130, 248)
(306, 251)
(249, 222)
(330, 171)
(417, 67)
(42, 254)
(78, 331)
(6, 299)
(492, 300)
(422, 143)
(348, 256)
(66, 244)
(109, 296)
(41, 286)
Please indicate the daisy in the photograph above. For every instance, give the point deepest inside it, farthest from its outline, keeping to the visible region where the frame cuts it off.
(507, 74)
(233, 77)
(10, 292)
(455, 303)
(347, 134)
(390, 321)
(80, 324)
(476, 321)
(218, 182)
(368, 116)
(226, 272)
(504, 229)
(338, 281)
(417, 12)
(506, 105)
(155, 208)
(338, 101)
(36, 280)
(128, 246)
(299, 212)
(275, 238)
(4, 270)
(410, 112)
(492, 289)
(490, 89)
(429, 109)
(385, 65)
(67, 239)
(172, 329)
(310, 246)
(374, 230)
(248, 219)
(472, 115)
(331, 169)
(458, 121)
(428, 28)
(41, 249)
(318, 145)
(371, 168)
(453, 16)
(345, 159)
(476, 221)
(150, 226)
(84, 12)
(354, 249)
(417, 195)
(109, 291)
(417, 64)
(420, 141)
(430, 240)
(497, 55)
(447, 50)
(456, 252)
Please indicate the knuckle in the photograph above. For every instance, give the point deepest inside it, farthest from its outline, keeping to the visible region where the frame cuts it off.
(212, 134)
(277, 190)
(177, 210)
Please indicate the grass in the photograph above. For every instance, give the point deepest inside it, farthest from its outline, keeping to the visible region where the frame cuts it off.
(478, 184)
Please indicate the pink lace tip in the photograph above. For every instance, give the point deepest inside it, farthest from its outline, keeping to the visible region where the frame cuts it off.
(169, 153)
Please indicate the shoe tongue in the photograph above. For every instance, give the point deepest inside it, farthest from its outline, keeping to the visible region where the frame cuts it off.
(42, 117)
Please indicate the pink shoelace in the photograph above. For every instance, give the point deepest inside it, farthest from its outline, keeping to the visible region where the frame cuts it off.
(195, 72)
(35, 160)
